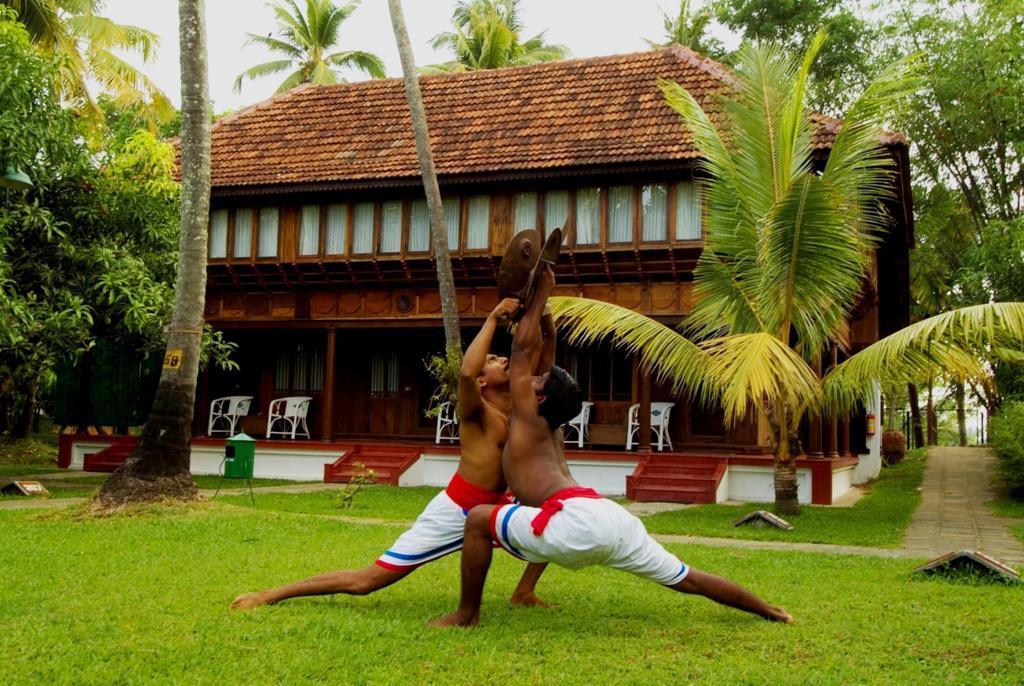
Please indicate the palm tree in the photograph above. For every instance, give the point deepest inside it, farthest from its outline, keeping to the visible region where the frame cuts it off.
(786, 252)
(304, 40)
(158, 467)
(689, 28)
(439, 234)
(487, 36)
(87, 44)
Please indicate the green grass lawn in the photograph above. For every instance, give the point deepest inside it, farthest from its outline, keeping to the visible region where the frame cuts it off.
(1007, 507)
(877, 519)
(144, 600)
(379, 502)
(62, 484)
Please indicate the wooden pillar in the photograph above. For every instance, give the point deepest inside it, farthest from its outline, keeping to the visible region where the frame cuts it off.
(328, 386)
(644, 413)
(829, 423)
(201, 418)
(844, 436)
(814, 426)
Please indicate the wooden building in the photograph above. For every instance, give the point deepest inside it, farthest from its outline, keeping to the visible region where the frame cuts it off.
(320, 266)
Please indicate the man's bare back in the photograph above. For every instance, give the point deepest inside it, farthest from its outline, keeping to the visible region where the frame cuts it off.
(559, 521)
(483, 416)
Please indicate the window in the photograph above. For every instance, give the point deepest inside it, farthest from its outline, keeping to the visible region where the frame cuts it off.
(309, 230)
(362, 228)
(218, 234)
(299, 369)
(653, 203)
(588, 216)
(452, 216)
(601, 372)
(337, 230)
(688, 211)
(525, 212)
(391, 227)
(243, 233)
(620, 214)
(268, 233)
(477, 222)
(384, 375)
(419, 226)
(556, 211)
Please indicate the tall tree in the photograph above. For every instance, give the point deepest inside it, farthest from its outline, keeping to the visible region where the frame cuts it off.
(305, 39)
(843, 65)
(439, 234)
(87, 253)
(488, 35)
(967, 129)
(88, 47)
(784, 259)
(690, 28)
(158, 468)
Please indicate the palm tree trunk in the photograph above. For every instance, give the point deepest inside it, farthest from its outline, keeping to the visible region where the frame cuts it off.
(21, 427)
(786, 501)
(961, 413)
(915, 416)
(158, 467)
(933, 430)
(439, 235)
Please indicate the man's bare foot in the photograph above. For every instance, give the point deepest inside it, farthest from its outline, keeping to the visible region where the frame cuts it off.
(248, 601)
(777, 614)
(527, 600)
(457, 618)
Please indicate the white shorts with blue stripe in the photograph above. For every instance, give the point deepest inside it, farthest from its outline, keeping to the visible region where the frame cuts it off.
(587, 531)
(437, 532)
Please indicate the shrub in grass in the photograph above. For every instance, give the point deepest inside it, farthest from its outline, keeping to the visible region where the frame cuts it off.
(1006, 431)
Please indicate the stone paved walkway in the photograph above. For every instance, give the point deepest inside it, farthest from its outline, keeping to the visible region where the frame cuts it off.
(953, 515)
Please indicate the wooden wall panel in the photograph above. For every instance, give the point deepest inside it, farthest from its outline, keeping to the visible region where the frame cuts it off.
(408, 304)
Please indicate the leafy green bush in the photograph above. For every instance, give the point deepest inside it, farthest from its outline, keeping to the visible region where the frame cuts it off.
(1006, 431)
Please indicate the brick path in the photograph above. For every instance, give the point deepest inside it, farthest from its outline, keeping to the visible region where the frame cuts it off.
(953, 515)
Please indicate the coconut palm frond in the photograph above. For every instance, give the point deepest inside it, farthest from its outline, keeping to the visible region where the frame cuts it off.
(303, 37)
(812, 266)
(358, 59)
(858, 167)
(949, 344)
(667, 354)
(265, 69)
(273, 44)
(758, 369)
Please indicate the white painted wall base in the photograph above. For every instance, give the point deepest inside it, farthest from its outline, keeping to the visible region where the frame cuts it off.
(605, 477)
(842, 481)
(757, 484)
(79, 449)
(294, 464)
(870, 465)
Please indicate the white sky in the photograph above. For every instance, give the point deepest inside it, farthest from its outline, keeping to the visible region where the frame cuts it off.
(582, 25)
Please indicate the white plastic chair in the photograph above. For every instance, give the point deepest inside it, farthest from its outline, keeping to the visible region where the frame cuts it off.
(225, 412)
(580, 424)
(659, 424)
(291, 413)
(447, 423)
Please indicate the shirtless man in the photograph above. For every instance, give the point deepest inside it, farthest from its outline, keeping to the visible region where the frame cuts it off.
(483, 421)
(559, 521)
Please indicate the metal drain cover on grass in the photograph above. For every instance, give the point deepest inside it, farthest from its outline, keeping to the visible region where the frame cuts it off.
(763, 519)
(969, 561)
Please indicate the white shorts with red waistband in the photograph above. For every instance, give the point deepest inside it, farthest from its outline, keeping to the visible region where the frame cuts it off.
(587, 531)
(439, 529)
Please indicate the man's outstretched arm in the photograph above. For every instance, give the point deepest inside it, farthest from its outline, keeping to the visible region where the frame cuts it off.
(470, 398)
(527, 342)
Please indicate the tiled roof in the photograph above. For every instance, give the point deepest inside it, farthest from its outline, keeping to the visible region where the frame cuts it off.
(568, 114)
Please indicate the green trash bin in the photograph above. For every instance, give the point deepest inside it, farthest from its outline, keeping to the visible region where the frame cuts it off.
(239, 460)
